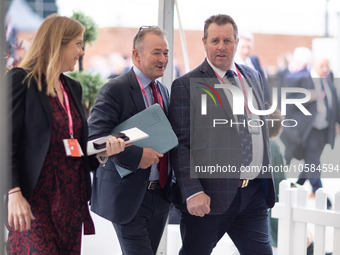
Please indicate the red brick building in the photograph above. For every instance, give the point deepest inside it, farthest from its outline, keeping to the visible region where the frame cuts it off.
(267, 46)
(119, 40)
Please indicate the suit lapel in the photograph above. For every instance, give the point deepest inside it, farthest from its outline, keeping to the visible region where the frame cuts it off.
(137, 95)
(45, 102)
(209, 77)
(135, 91)
(165, 97)
(252, 83)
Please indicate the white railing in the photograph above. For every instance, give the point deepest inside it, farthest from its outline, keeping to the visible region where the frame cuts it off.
(293, 217)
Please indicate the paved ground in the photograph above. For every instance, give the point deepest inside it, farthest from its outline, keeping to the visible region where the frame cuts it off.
(106, 243)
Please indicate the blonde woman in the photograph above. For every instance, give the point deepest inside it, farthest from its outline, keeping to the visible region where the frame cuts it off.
(47, 200)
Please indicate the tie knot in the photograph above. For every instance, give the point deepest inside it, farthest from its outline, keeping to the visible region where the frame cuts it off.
(153, 84)
(231, 77)
(230, 74)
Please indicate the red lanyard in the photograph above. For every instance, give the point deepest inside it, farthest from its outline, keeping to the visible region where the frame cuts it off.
(243, 87)
(160, 99)
(67, 109)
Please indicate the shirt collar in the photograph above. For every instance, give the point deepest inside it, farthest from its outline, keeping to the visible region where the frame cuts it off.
(143, 79)
(239, 60)
(220, 72)
(314, 74)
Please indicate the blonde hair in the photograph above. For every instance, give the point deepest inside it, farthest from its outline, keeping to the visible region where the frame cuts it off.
(44, 58)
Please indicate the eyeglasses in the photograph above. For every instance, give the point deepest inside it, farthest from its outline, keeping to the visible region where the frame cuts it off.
(143, 27)
(138, 34)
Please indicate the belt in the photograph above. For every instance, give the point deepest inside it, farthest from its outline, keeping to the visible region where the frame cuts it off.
(244, 183)
(152, 185)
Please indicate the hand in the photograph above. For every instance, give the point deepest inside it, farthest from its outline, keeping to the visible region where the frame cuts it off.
(19, 211)
(149, 158)
(113, 146)
(199, 205)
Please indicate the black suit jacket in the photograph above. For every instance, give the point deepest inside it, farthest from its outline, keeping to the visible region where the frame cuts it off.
(31, 128)
(114, 198)
(199, 143)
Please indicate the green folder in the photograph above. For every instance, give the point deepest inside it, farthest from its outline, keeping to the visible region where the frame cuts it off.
(152, 121)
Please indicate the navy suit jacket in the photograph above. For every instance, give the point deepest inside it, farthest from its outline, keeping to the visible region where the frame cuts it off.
(295, 137)
(32, 126)
(199, 143)
(266, 88)
(114, 198)
(256, 63)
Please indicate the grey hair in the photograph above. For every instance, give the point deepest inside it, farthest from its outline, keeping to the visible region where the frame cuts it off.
(139, 37)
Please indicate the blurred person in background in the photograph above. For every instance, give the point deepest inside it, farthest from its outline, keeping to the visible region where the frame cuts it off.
(278, 80)
(299, 77)
(244, 56)
(277, 161)
(307, 140)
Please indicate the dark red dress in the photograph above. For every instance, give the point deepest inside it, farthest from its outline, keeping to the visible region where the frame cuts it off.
(58, 201)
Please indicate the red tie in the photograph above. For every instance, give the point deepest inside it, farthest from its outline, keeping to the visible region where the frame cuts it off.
(163, 162)
(154, 92)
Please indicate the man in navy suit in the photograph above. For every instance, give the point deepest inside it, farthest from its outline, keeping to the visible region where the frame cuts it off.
(313, 132)
(136, 204)
(234, 201)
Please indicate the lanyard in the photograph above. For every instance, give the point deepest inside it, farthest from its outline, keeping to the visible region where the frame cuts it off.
(243, 87)
(160, 99)
(67, 109)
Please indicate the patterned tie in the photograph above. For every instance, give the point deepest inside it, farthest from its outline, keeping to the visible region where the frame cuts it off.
(163, 162)
(245, 136)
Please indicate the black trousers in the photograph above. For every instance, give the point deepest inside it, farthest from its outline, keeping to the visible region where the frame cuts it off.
(246, 222)
(315, 144)
(143, 233)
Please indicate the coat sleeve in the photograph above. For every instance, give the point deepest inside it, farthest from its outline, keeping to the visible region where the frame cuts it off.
(17, 89)
(105, 116)
(179, 117)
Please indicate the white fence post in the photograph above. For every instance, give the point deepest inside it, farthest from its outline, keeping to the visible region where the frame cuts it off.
(300, 228)
(336, 237)
(283, 212)
(293, 217)
(320, 230)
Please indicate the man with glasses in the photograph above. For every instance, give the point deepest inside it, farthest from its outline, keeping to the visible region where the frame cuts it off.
(136, 204)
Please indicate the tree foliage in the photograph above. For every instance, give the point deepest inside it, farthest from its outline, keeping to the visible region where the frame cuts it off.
(91, 84)
(91, 32)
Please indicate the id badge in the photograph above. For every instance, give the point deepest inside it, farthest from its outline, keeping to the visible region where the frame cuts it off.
(72, 148)
(253, 126)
